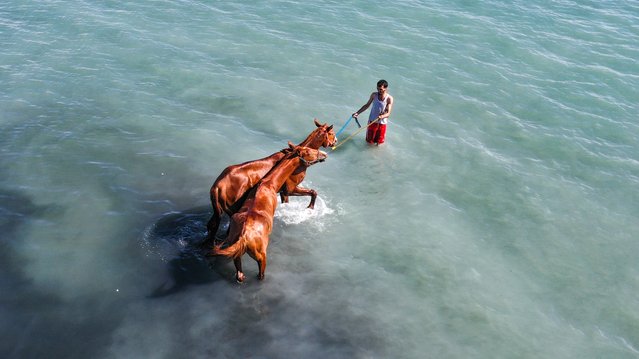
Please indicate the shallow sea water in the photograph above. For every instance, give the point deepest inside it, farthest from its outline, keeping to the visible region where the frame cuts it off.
(498, 221)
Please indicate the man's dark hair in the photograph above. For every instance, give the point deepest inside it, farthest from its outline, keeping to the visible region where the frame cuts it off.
(382, 83)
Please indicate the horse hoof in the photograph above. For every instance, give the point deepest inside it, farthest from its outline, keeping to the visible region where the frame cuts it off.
(239, 277)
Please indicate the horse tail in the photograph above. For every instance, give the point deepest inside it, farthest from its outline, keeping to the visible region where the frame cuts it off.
(235, 250)
(214, 223)
(212, 194)
(215, 198)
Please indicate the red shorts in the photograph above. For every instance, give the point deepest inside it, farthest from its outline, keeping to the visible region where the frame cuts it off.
(376, 133)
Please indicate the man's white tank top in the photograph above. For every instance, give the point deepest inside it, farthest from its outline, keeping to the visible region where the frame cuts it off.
(378, 107)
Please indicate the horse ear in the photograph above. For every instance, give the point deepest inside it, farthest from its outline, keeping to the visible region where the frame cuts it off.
(291, 145)
(317, 123)
(330, 127)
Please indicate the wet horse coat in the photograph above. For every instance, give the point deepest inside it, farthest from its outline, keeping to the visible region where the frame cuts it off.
(235, 181)
(252, 224)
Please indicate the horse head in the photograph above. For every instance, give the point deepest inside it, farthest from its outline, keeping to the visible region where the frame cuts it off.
(309, 156)
(322, 136)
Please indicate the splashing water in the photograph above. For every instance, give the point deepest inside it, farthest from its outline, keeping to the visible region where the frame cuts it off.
(296, 212)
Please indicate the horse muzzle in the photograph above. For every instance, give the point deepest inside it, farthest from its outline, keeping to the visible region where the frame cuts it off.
(320, 158)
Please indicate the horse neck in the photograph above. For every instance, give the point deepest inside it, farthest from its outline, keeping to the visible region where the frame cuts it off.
(276, 157)
(315, 140)
(280, 173)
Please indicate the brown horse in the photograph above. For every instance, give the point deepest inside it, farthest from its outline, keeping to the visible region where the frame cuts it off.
(234, 182)
(252, 224)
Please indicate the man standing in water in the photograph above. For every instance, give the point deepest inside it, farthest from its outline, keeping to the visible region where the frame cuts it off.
(380, 112)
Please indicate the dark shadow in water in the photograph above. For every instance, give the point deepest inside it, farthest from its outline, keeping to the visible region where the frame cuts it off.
(178, 237)
(250, 316)
(186, 270)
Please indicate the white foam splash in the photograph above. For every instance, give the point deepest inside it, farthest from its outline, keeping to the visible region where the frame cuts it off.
(295, 212)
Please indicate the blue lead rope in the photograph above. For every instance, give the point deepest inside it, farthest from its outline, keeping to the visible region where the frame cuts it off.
(343, 127)
(346, 124)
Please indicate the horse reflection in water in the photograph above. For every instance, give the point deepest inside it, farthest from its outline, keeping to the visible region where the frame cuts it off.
(251, 226)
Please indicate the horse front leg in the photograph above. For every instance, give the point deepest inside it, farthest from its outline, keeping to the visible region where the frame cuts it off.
(301, 191)
(239, 275)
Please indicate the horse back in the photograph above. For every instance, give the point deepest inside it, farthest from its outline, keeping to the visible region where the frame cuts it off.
(235, 180)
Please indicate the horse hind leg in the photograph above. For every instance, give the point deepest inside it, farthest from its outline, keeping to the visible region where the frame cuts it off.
(212, 227)
(218, 210)
(261, 263)
(260, 257)
(239, 275)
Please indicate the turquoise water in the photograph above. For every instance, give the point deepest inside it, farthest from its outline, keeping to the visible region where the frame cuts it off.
(498, 221)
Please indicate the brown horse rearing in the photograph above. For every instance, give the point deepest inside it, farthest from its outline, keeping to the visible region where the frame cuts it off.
(234, 182)
(252, 224)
